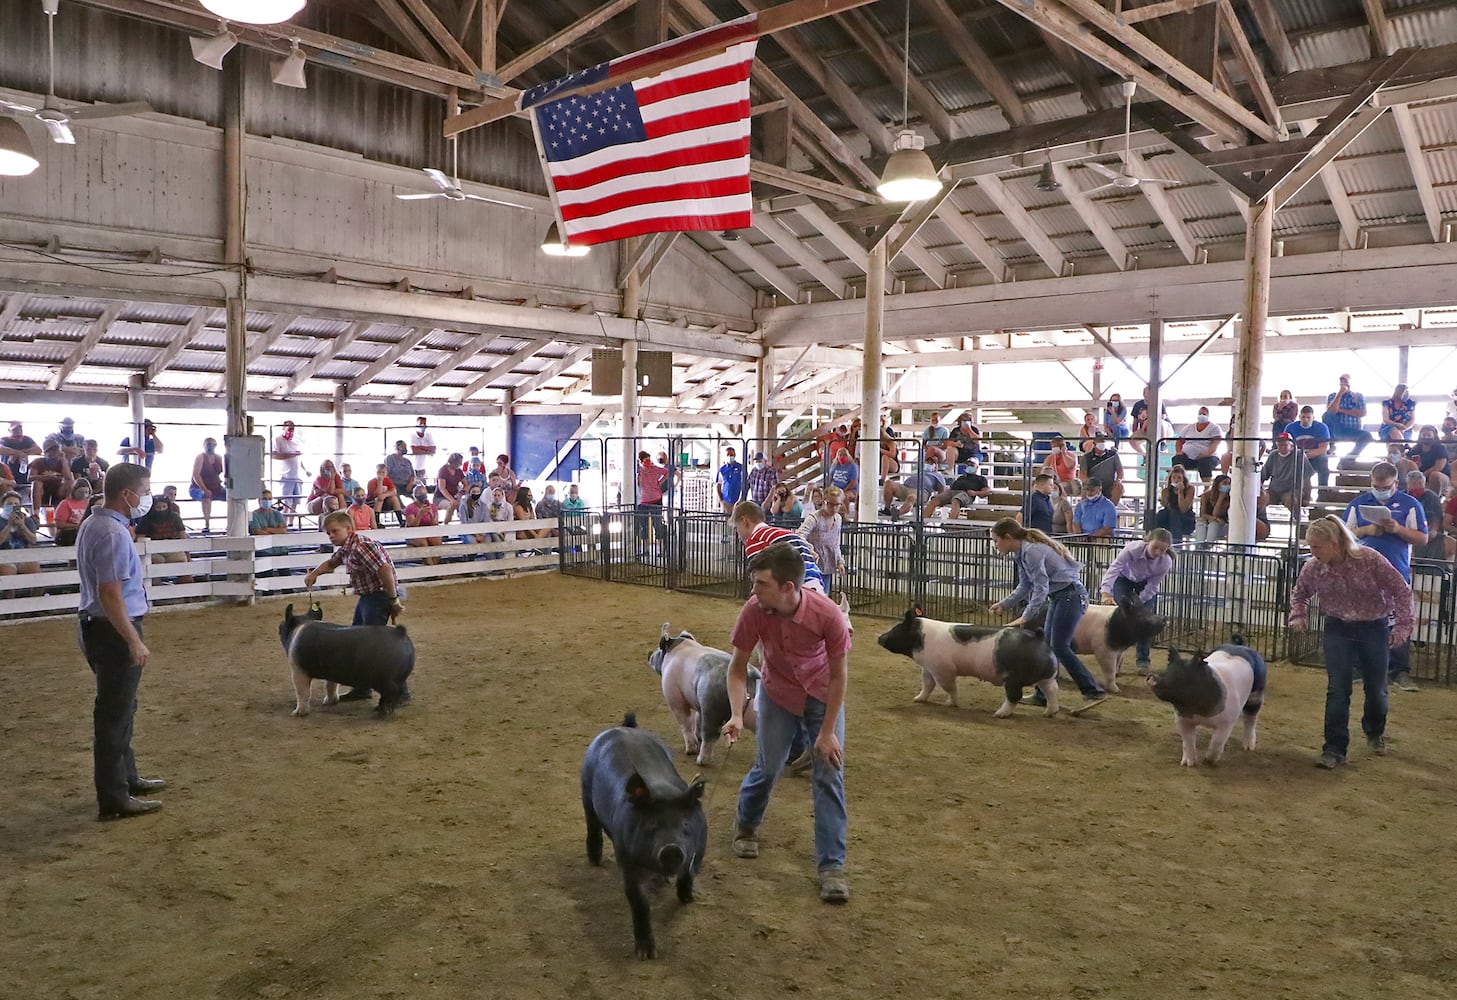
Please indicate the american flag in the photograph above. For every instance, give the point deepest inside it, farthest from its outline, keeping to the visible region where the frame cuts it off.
(664, 153)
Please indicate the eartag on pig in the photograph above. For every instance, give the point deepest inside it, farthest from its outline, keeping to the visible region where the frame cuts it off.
(316, 608)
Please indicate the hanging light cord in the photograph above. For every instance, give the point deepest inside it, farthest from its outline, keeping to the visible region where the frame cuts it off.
(906, 79)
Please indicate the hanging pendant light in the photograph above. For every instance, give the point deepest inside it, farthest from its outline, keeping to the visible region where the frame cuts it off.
(255, 11)
(17, 155)
(909, 174)
(554, 246)
(289, 71)
(1047, 180)
(210, 50)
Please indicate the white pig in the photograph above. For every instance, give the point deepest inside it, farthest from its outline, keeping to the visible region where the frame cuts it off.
(695, 686)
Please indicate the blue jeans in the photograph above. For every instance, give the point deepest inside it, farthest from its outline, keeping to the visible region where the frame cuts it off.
(1125, 589)
(777, 729)
(1065, 609)
(1352, 646)
(373, 609)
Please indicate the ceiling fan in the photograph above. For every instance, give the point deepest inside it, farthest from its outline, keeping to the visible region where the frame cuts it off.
(1121, 180)
(450, 186)
(57, 119)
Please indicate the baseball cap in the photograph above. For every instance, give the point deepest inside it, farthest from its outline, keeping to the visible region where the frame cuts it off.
(730, 451)
(148, 423)
(68, 422)
(1100, 436)
(1284, 436)
(758, 455)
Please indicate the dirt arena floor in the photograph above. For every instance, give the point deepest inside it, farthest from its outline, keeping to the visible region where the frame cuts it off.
(441, 854)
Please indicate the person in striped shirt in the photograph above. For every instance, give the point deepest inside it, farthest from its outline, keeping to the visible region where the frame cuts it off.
(748, 518)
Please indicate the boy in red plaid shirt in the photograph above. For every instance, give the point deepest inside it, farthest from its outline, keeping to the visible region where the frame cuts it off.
(381, 600)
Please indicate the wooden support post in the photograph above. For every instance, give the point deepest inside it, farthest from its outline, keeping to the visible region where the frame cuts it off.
(631, 304)
(1155, 425)
(1249, 374)
(235, 251)
(870, 376)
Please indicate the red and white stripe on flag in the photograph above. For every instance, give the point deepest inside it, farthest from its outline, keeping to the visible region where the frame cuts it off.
(664, 153)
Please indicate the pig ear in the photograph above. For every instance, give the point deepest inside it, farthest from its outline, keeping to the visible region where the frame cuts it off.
(665, 632)
(637, 790)
(918, 612)
(288, 613)
(695, 788)
(844, 602)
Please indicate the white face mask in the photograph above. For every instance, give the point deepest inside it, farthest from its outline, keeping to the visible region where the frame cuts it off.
(144, 504)
(1385, 494)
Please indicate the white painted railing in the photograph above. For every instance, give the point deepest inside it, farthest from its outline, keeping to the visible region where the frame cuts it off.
(231, 569)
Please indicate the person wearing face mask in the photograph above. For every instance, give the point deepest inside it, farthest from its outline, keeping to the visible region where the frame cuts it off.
(549, 507)
(71, 511)
(422, 448)
(1095, 515)
(1088, 432)
(498, 511)
(1061, 464)
(360, 513)
(1115, 418)
(287, 450)
(267, 520)
(1176, 510)
(1449, 439)
(1062, 510)
(17, 531)
(1213, 520)
(1103, 465)
(1398, 415)
(1197, 445)
(207, 481)
(400, 470)
(1435, 545)
(423, 514)
(473, 510)
(1429, 457)
(763, 477)
(112, 605)
(1392, 535)
(163, 523)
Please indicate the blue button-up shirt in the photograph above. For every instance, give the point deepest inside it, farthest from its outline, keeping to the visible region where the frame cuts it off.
(1092, 514)
(105, 554)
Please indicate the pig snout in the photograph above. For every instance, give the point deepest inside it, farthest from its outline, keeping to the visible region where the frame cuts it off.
(670, 859)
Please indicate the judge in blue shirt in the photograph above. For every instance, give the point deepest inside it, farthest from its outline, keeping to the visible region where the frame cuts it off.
(1095, 516)
(112, 605)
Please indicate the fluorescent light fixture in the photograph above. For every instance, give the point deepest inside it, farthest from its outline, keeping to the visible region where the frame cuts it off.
(908, 175)
(17, 155)
(554, 246)
(255, 11)
(289, 71)
(211, 50)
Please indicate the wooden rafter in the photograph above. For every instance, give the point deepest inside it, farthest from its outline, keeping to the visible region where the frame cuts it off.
(1335, 190)
(1078, 69)
(1158, 200)
(1161, 9)
(791, 180)
(328, 353)
(965, 230)
(656, 257)
(914, 217)
(1250, 63)
(409, 32)
(1021, 220)
(753, 258)
(1282, 53)
(1383, 39)
(1421, 171)
(93, 336)
(450, 363)
(794, 247)
(395, 352)
(13, 304)
(1092, 215)
(976, 61)
(442, 35)
(502, 367)
(563, 38)
(871, 38)
(263, 341)
(550, 372)
(185, 335)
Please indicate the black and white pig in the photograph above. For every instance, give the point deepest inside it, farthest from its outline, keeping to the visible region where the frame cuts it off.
(655, 821)
(1109, 630)
(695, 686)
(364, 656)
(1213, 691)
(1015, 658)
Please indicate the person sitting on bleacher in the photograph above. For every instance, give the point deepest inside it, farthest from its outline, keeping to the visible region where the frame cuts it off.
(1103, 465)
(1287, 473)
(1213, 521)
(1088, 432)
(1398, 415)
(915, 489)
(267, 520)
(964, 489)
(164, 523)
(1429, 457)
(1176, 506)
(50, 481)
(938, 448)
(1062, 509)
(360, 513)
(70, 511)
(1344, 411)
(890, 463)
(967, 438)
(1198, 444)
(382, 495)
(1061, 464)
(1115, 419)
(1313, 438)
(1435, 547)
(17, 531)
(400, 470)
(1095, 516)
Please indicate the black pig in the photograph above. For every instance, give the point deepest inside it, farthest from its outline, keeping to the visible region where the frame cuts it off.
(362, 656)
(655, 821)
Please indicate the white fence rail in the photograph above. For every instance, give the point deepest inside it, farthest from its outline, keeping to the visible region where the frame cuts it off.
(229, 569)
